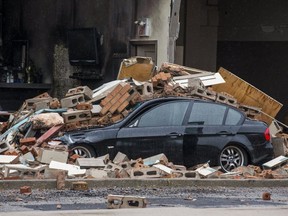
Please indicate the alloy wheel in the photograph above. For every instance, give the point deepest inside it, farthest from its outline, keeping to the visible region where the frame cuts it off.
(232, 157)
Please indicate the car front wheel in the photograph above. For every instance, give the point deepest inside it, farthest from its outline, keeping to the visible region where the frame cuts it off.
(232, 157)
(83, 151)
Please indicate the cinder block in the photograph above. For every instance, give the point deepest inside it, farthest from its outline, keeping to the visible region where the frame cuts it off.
(72, 126)
(150, 172)
(72, 101)
(45, 104)
(112, 167)
(120, 158)
(77, 115)
(222, 98)
(85, 90)
(47, 155)
(160, 158)
(146, 90)
(118, 201)
(31, 103)
(96, 173)
(85, 163)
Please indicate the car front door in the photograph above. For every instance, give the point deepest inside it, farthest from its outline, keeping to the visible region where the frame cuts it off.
(158, 130)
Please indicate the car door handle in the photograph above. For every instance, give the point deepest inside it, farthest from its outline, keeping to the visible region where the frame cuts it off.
(224, 133)
(110, 147)
(174, 135)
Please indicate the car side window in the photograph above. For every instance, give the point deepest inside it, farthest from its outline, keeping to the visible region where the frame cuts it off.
(233, 117)
(207, 114)
(168, 114)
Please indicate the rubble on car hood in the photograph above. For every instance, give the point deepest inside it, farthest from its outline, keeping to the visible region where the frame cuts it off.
(28, 148)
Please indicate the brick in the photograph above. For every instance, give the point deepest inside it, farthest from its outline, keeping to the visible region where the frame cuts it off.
(80, 185)
(266, 196)
(116, 89)
(55, 103)
(24, 149)
(116, 118)
(11, 152)
(119, 201)
(72, 101)
(34, 151)
(25, 190)
(85, 90)
(122, 106)
(103, 120)
(28, 141)
(60, 180)
(106, 100)
(76, 115)
(106, 108)
(72, 126)
(84, 106)
(125, 88)
(48, 134)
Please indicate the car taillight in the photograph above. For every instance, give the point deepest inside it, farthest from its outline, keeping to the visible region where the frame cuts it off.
(267, 135)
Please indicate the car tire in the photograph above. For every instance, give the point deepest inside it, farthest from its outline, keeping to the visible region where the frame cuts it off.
(232, 157)
(84, 151)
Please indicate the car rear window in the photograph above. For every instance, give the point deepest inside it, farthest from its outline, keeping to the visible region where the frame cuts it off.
(207, 114)
(233, 117)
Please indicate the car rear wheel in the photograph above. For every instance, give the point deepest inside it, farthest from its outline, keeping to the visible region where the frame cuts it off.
(83, 151)
(232, 157)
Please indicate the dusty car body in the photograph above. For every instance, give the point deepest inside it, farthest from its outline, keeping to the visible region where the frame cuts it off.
(188, 131)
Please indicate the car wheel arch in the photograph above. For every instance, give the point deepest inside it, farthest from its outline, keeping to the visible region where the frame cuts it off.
(83, 149)
(241, 147)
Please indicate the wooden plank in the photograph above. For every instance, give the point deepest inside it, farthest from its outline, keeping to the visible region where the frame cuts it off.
(249, 95)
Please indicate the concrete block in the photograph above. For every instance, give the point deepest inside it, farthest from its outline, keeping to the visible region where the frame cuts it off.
(47, 155)
(73, 170)
(150, 172)
(120, 157)
(77, 115)
(72, 101)
(86, 163)
(104, 158)
(96, 173)
(30, 103)
(223, 98)
(45, 104)
(85, 90)
(20, 168)
(112, 167)
(118, 201)
(55, 104)
(96, 109)
(9, 159)
(184, 174)
(280, 146)
(276, 162)
(160, 158)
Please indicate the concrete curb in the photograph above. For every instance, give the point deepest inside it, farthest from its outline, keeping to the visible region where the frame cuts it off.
(145, 183)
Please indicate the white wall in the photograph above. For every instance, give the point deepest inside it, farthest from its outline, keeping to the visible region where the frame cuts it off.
(159, 13)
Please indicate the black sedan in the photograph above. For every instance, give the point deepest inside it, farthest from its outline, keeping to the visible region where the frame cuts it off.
(188, 131)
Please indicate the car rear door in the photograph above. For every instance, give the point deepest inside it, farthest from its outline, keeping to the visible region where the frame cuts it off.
(158, 130)
(209, 128)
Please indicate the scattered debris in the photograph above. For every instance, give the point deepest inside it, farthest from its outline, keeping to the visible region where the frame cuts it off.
(28, 148)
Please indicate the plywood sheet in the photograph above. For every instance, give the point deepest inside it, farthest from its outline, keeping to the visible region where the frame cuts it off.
(247, 94)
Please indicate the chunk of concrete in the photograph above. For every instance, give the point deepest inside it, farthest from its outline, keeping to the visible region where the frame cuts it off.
(276, 162)
(48, 155)
(96, 173)
(73, 170)
(9, 159)
(160, 158)
(85, 163)
(120, 157)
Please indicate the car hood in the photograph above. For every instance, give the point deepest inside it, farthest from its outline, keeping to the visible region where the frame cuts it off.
(92, 135)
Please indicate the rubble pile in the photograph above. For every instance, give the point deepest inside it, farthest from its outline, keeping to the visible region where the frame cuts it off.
(27, 147)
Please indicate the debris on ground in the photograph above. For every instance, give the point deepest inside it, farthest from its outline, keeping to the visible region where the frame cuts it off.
(28, 148)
